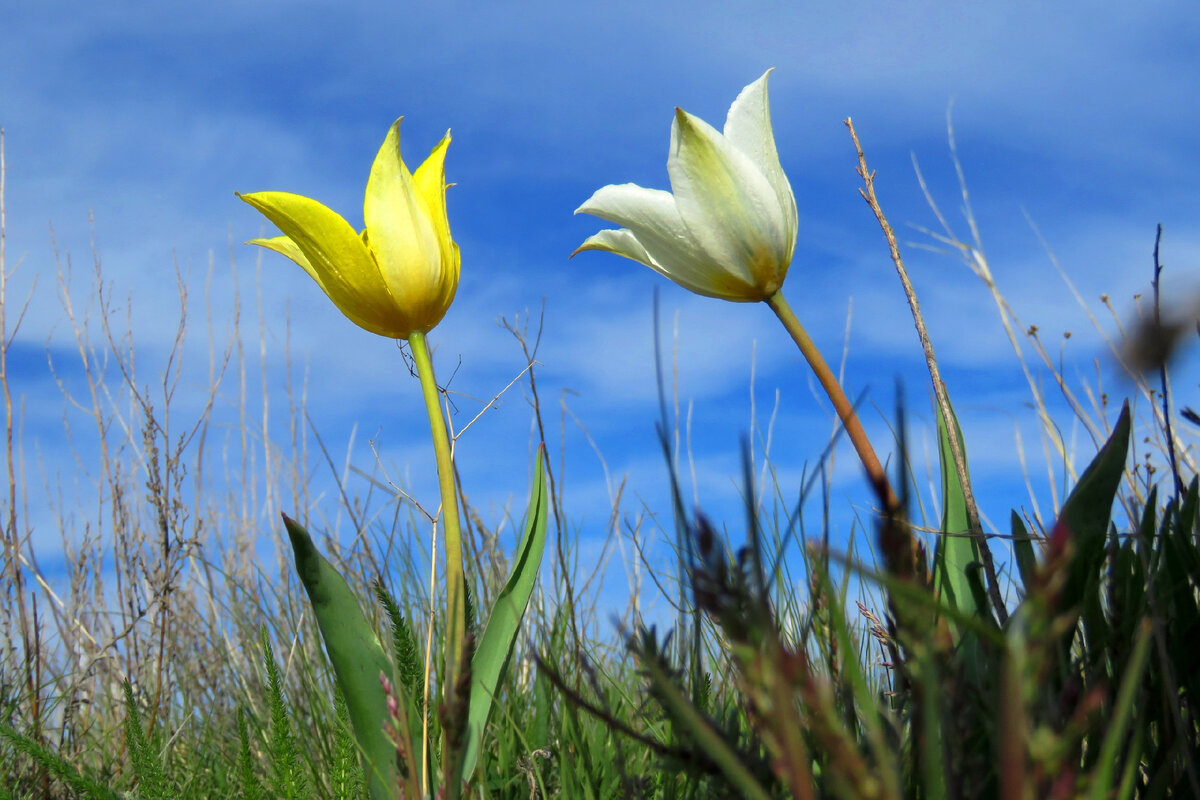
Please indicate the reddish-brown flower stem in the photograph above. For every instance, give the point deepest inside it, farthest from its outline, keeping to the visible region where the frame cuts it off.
(841, 404)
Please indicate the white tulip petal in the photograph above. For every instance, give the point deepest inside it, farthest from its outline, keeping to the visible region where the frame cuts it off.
(671, 248)
(729, 228)
(718, 284)
(726, 202)
(652, 217)
(748, 128)
(621, 242)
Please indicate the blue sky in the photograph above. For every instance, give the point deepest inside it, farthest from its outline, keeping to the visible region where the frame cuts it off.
(146, 118)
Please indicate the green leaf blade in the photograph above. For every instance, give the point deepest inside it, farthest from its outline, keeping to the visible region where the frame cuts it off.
(494, 651)
(956, 549)
(357, 657)
(1085, 514)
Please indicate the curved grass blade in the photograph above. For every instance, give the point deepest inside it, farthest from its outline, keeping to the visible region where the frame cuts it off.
(496, 645)
(357, 657)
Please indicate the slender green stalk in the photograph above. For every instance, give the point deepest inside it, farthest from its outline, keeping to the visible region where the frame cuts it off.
(841, 404)
(451, 528)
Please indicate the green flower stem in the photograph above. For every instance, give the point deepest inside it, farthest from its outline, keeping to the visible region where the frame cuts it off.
(845, 411)
(451, 528)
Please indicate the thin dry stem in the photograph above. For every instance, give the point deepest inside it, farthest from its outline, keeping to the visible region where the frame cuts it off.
(939, 386)
(13, 545)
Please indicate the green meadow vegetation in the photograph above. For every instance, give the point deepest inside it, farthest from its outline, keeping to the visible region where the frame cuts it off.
(927, 658)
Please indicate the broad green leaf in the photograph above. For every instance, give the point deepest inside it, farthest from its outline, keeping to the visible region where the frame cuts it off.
(956, 550)
(357, 657)
(957, 580)
(495, 648)
(1085, 514)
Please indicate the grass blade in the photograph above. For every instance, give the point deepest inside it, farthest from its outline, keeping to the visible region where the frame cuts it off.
(1122, 714)
(496, 645)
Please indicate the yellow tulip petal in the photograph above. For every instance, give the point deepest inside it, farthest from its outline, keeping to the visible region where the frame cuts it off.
(402, 238)
(337, 259)
(399, 276)
(430, 181)
(285, 246)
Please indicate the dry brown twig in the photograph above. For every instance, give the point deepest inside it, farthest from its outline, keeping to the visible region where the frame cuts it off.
(939, 386)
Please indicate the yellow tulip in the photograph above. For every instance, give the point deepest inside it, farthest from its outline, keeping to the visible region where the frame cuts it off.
(397, 277)
(729, 228)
